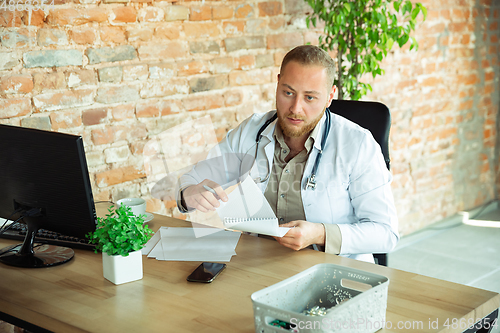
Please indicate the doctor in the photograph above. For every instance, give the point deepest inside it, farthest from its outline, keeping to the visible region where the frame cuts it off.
(321, 173)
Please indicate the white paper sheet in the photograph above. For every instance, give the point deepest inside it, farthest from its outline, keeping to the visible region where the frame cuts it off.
(248, 204)
(181, 244)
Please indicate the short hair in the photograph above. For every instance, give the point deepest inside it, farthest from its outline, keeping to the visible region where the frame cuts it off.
(312, 55)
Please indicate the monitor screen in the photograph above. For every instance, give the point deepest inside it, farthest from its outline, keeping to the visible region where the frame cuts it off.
(44, 175)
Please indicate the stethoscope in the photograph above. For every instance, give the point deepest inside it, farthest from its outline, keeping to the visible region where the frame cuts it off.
(311, 181)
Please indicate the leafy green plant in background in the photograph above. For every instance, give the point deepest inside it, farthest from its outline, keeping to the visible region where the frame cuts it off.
(363, 32)
(120, 232)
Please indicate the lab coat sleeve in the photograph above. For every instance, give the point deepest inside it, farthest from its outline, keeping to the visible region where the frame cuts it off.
(376, 229)
(223, 164)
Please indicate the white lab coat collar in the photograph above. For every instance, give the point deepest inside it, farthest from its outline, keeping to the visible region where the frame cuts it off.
(269, 131)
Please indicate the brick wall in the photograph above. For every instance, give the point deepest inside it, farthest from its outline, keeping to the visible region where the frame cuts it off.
(445, 102)
(121, 72)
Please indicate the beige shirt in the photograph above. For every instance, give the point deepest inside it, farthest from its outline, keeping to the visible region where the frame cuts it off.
(283, 192)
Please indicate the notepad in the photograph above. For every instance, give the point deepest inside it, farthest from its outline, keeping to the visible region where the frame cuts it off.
(265, 226)
(248, 210)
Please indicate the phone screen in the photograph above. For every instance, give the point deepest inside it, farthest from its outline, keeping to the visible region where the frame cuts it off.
(206, 272)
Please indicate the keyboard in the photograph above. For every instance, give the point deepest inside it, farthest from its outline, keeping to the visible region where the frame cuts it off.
(18, 231)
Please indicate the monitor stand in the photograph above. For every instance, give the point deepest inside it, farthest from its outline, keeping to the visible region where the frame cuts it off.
(40, 255)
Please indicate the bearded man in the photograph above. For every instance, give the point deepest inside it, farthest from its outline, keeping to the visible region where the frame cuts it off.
(322, 174)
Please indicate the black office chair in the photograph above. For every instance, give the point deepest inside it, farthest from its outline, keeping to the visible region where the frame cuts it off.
(376, 118)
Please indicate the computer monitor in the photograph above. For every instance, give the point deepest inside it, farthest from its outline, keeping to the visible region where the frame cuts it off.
(44, 176)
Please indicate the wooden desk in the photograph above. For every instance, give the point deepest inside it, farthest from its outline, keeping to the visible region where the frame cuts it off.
(75, 297)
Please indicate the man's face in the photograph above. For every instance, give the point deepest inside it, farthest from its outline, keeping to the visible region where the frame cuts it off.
(302, 96)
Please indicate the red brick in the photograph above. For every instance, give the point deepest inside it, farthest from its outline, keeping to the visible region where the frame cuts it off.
(233, 27)
(161, 89)
(191, 67)
(114, 35)
(279, 22)
(62, 100)
(112, 134)
(63, 120)
(431, 81)
(243, 11)
(118, 176)
(431, 29)
(489, 76)
(48, 81)
(123, 112)
(244, 78)
(70, 16)
(9, 20)
(270, 8)
(223, 65)
(201, 29)
(117, 94)
(14, 107)
(150, 14)
(158, 108)
(94, 117)
(147, 110)
(16, 84)
(82, 36)
(233, 97)
(140, 34)
(460, 27)
(467, 105)
(36, 19)
(124, 15)
(202, 13)
(176, 13)
(464, 80)
(222, 12)
(170, 50)
(460, 14)
(245, 62)
(284, 40)
(406, 83)
(200, 103)
(170, 31)
(445, 14)
(488, 89)
(81, 77)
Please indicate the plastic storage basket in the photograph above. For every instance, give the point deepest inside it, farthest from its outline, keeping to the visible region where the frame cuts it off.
(355, 301)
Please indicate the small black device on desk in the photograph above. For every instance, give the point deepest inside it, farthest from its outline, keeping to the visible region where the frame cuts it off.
(206, 272)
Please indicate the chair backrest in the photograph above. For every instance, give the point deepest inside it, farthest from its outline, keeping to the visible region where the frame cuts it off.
(376, 118)
(373, 116)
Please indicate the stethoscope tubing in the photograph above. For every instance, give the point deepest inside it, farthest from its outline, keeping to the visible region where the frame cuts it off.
(311, 181)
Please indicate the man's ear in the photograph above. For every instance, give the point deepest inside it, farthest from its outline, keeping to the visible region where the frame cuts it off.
(332, 94)
(278, 77)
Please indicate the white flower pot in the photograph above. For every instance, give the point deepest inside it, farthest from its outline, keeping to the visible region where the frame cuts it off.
(119, 269)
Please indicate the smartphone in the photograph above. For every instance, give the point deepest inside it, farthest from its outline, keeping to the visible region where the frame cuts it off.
(206, 272)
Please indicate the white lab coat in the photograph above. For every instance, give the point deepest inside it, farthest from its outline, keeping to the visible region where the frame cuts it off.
(353, 183)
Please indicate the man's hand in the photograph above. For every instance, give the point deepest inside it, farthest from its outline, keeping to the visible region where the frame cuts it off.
(197, 197)
(302, 235)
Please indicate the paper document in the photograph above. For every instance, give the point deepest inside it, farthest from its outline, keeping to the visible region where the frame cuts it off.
(185, 244)
(248, 210)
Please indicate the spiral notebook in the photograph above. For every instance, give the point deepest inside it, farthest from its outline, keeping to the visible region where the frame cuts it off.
(248, 210)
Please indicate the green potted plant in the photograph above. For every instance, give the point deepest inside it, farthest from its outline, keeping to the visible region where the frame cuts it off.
(362, 32)
(120, 236)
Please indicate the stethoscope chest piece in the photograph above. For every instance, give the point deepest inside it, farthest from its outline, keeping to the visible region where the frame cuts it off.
(311, 183)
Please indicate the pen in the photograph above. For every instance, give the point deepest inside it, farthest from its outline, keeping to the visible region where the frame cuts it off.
(209, 189)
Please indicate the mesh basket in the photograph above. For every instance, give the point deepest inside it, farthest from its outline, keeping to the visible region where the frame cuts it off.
(355, 301)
